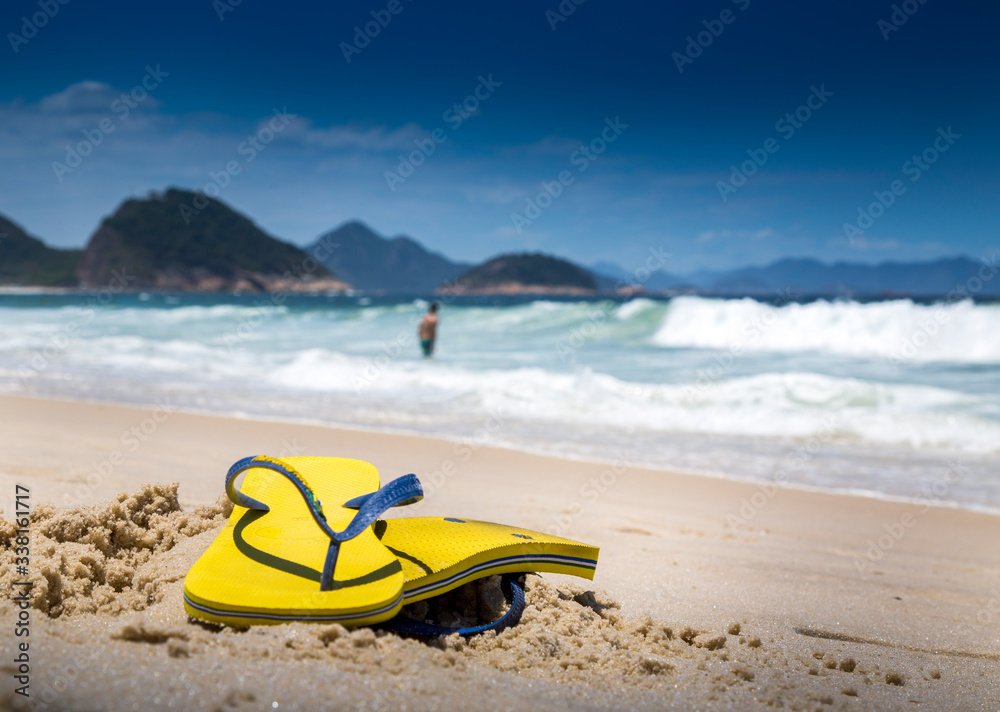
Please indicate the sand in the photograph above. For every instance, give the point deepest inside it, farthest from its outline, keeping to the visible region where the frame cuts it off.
(710, 594)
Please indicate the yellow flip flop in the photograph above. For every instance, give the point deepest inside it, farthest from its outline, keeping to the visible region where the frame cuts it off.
(284, 555)
(264, 566)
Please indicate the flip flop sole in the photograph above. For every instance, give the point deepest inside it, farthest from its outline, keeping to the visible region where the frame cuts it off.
(265, 567)
(439, 554)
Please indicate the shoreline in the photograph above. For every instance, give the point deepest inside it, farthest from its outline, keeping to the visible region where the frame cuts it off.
(569, 457)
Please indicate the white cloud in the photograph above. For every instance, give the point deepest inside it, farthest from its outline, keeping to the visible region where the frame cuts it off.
(761, 234)
(82, 105)
(35, 129)
(80, 98)
(374, 139)
(87, 98)
(863, 243)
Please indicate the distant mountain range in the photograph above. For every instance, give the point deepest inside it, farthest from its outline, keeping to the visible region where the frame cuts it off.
(181, 240)
(371, 263)
(812, 277)
(608, 274)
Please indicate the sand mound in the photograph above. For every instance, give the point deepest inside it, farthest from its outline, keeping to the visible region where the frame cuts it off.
(100, 558)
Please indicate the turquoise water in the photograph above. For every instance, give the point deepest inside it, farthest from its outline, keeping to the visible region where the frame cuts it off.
(882, 396)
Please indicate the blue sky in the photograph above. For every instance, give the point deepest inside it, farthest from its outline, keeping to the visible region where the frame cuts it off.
(608, 76)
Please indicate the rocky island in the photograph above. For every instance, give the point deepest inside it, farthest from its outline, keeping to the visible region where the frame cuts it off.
(524, 273)
(208, 248)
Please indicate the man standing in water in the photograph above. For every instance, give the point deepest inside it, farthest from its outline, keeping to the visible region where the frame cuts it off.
(428, 329)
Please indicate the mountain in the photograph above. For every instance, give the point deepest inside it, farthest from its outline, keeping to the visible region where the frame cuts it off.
(608, 274)
(524, 273)
(188, 241)
(392, 266)
(26, 260)
(608, 269)
(808, 276)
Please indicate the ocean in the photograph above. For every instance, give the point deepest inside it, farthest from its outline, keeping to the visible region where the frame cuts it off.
(891, 398)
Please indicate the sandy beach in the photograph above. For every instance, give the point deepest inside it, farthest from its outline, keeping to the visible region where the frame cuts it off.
(709, 594)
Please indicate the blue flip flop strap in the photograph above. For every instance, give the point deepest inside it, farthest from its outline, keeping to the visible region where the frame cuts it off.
(512, 590)
(401, 491)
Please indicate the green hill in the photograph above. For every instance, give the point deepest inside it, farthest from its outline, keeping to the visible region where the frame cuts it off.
(525, 273)
(188, 241)
(26, 260)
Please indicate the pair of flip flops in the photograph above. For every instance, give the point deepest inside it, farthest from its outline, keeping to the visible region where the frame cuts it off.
(305, 542)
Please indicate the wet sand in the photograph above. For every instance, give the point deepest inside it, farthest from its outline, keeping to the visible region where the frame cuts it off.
(709, 593)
